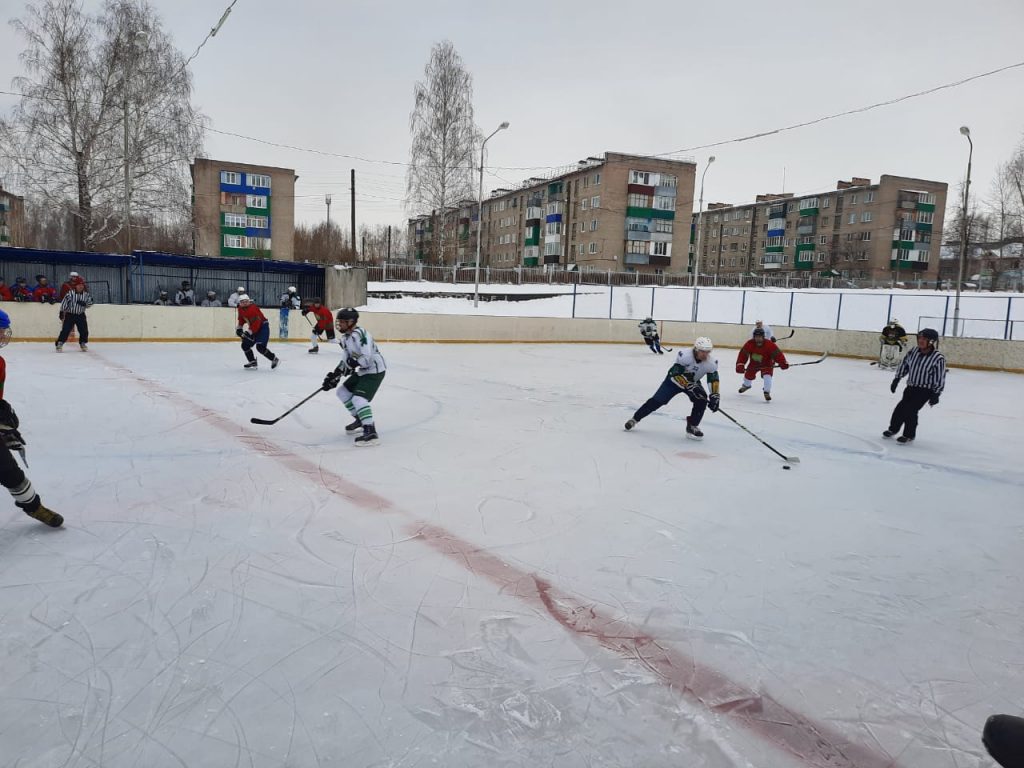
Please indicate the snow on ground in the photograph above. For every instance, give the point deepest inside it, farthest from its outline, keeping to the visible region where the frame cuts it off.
(509, 578)
(984, 315)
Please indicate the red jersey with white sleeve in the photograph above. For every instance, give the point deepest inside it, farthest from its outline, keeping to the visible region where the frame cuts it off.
(252, 316)
(754, 358)
(324, 318)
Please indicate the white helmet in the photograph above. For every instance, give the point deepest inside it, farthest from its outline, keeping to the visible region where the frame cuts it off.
(291, 289)
(703, 344)
(241, 289)
(244, 297)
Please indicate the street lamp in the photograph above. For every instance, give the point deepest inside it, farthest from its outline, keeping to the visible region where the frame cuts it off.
(480, 217)
(965, 131)
(696, 254)
(139, 40)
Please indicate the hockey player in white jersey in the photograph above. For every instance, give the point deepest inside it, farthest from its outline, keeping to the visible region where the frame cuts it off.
(365, 368)
(685, 376)
(649, 330)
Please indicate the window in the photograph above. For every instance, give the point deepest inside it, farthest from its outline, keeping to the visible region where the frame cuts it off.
(234, 220)
(866, 235)
(826, 202)
(925, 217)
(259, 180)
(660, 249)
(668, 180)
(822, 239)
(821, 257)
(734, 246)
(639, 177)
(853, 218)
(853, 199)
(825, 219)
(230, 177)
(553, 228)
(869, 197)
(552, 249)
(597, 180)
(636, 246)
(926, 197)
(554, 208)
(716, 218)
(583, 226)
(772, 242)
(593, 225)
(233, 241)
(865, 217)
(747, 216)
(636, 200)
(593, 246)
(582, 248)
(785, 243)
(661, 225)
(663, 203)
(255, 201)
(809, 202)
(595, 201)
(583, 204)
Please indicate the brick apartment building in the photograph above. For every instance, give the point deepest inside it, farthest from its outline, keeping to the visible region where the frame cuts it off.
(619, 212)
(12, 219)
(858, 230)
(243, 210)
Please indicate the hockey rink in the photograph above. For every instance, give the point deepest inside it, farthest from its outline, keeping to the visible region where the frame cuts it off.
(509, 578)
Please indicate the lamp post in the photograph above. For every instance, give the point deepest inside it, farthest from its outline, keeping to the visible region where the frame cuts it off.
(696, 253)
(965, 131)
(480, 217)
(139, 39)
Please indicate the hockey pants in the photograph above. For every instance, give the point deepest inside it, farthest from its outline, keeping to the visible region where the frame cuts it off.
(260, 342)
(751, 373)
(904, 415)
(666, 392)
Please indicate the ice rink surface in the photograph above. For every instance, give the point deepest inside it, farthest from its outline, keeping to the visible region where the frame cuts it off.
(509, 578)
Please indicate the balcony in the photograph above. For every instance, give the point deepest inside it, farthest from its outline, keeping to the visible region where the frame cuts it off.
(805, 265)
(806, 228)
(638, 259)
(660, 261)
(534, 212)
(929, 207)
(637, 234)
(530, 261)
(551, 259)
(808, 211)
(922, 227)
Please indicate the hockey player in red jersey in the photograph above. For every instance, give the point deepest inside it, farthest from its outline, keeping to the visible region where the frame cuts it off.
(759, 354)
(323, 322)
(256, 335)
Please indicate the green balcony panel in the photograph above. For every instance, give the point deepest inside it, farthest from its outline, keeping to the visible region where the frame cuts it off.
(530, 261)
(929, 207)
(904, 245)
(658, 214)
(245, 252)
(804, 247)
(809, 264)
(921, 227)
(640, 213)
(808, 211)
(531, 241)
(773, 249)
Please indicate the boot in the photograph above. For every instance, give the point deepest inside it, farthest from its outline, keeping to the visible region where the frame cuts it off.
(743, 389)
(314, 350)
(630, 424)
(768, 396)
(903, 439)
(1003, 737)
(888, 433)
(355, 426)
(46, 515)
(693, 432)
(369, 436)
(59, 345)
(251, 364)
(274, 362)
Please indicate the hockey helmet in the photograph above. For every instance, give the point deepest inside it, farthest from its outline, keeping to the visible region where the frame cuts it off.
(5, 328)
(894, 321)
(347, 314)
(703, 344)
(240, 290)
(929, 333)
(759, 332)
(244, 298)
(291, 289)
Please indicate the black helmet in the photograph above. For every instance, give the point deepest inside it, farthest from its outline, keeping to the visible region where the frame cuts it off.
(759, 331)
(929, 333)
(347, 314)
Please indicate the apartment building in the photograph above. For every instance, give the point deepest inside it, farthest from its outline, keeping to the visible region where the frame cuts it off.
(858, 230)
(617, 212)
(12, 219)
(243, 210)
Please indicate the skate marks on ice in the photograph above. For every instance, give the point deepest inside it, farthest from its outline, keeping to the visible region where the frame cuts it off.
(813, 744)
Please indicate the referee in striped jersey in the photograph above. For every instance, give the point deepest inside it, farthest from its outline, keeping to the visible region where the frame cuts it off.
(925, 369)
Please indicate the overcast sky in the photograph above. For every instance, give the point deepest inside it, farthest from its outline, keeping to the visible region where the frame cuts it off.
(579, 78)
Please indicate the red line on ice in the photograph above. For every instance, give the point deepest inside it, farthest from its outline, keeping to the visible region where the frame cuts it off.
(814, 744)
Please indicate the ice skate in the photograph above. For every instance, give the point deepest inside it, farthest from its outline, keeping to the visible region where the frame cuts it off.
(45, 515)
(694, 433)
(903, 439)
(252, 365)
(768, 396)
(84, 347)
(60, 346)
(369, 436)
(274, 362)
(743, 389)
(888, 433)
(355, 426)
(314, 350)
(630, 424)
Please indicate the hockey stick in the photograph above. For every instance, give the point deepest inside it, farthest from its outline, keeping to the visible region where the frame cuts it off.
(783, 338)
(254, 420)
(809, 362)
(791, 459)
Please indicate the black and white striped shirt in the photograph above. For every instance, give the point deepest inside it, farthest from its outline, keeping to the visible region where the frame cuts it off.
(75, 303)
(927, 371)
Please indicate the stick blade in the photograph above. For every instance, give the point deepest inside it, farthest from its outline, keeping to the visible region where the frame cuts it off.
(793, 459)
(254, 420)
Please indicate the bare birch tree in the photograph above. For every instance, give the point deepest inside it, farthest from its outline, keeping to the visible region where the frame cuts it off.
(87, 76)
(444, 137)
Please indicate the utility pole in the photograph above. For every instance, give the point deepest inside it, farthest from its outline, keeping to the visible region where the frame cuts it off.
(140, 37)
(355, 255)
(389, 242)
(330, 239)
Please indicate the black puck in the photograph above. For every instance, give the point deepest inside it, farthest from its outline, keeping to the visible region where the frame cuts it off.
(786, 466)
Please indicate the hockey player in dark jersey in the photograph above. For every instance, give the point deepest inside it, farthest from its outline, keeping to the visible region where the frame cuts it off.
(11, 475)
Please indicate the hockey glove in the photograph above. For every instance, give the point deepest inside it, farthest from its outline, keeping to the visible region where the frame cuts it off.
(783, 366)
(8, 418)
(352, 362)
(895, 383)
(713, 400)
(740, 367)
(933, 400)
(12, 439)
(773, 339)
(239, 333)
(331, 380)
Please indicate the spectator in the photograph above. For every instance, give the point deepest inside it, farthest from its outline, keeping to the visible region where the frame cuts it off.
(233, 298)
(163, 300)
(5, 292)
(211, 300)
(21, 290)
(185, 297)
(72, 312)
(290, 300)
(43, 292)
(68, 285)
